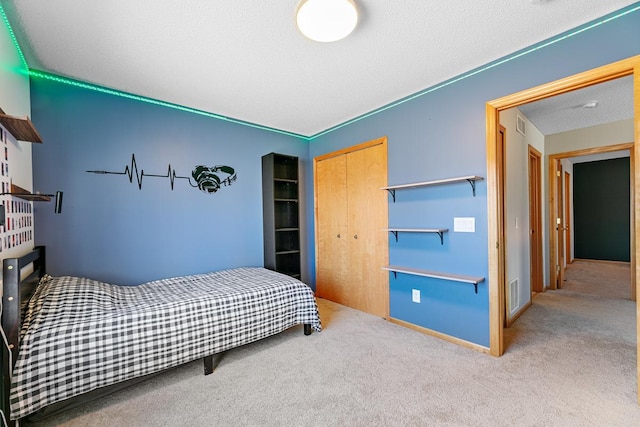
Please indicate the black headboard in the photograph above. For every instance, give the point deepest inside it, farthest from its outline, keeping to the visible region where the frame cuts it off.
(16, 294)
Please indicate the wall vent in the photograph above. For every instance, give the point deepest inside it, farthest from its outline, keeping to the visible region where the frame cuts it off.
(513, 296)
(520, 124)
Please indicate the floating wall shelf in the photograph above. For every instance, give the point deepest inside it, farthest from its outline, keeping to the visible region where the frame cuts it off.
(435, 275)
(20, 127)
(470, 179)
(26, 195)
(439, 231)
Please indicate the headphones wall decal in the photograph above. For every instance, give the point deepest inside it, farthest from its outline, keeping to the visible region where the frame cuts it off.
(207, 178)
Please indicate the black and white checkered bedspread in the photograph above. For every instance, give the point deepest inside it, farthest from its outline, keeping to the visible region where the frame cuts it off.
(80, 334)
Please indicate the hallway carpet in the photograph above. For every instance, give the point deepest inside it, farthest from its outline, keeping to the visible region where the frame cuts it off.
(605, 279)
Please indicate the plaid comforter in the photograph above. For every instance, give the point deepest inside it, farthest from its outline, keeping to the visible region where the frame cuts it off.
(80, 334)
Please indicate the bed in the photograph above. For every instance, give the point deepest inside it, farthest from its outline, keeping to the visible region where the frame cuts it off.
(73, 338)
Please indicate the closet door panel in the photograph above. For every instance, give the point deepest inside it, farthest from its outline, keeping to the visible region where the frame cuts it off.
(367, 217)
(332, 265)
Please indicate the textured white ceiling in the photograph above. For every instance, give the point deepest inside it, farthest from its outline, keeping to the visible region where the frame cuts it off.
(566, 112)
(245, 59)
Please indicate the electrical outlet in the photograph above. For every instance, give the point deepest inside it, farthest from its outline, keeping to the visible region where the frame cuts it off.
(415, 295)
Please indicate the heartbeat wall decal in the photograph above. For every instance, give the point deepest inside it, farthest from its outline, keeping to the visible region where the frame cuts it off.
(206, 177)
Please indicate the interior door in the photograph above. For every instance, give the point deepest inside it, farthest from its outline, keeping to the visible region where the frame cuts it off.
(535, 220)
(501, 155)
(368, 216)
(332, 250)
(567, 218)
(560, 267)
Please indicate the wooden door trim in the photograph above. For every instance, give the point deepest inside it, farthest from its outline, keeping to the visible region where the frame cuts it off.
(626, 67)
(635, 200)
(558, 214)
(501, 159)
(362, 146)
(633, 188)
(532, 152)
(594, 150)
(567, 218)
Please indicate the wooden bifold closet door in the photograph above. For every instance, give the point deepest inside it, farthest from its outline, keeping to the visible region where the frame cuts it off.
(351, 214)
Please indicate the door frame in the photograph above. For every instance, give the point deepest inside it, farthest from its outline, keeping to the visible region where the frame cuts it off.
(626, 67)
(558, 221)
(567, 218)
(535, 219)
(501, 174)
(554, 207)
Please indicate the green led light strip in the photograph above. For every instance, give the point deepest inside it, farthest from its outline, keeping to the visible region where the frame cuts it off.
(511, 57)
(59, 79)
(13, 37)
(101, 89)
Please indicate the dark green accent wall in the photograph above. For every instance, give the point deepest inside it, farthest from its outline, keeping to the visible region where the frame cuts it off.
(601, 210)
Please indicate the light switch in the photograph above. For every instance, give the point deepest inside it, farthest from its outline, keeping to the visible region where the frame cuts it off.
(464, 225)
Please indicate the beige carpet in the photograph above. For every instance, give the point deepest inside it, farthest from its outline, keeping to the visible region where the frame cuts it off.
(570, 362)
(605, 279)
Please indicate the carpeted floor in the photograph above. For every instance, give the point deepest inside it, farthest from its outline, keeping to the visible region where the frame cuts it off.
(570, 361)
(605, 279)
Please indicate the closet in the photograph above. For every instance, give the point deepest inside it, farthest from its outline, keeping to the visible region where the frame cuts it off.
(351, 214)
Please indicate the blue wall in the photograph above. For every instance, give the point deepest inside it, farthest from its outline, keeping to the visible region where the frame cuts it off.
(109, 229)
(442, 134)
(112, 231)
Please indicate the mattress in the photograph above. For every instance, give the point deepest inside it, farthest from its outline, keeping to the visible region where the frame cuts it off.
(80, 334)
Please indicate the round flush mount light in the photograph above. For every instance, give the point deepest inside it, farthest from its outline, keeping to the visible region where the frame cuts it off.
(590, 104)
(326, 20)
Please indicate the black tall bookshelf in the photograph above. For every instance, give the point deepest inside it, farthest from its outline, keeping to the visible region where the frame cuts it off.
(281, 213)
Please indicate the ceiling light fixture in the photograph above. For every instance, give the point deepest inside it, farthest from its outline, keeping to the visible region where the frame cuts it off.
(326, 20)
(590, 104)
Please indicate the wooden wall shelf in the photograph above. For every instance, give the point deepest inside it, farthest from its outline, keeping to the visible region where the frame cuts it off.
(26, 195)
(20, 127)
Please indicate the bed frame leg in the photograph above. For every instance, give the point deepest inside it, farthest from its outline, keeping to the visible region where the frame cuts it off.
(208, 365)
(307, 329)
